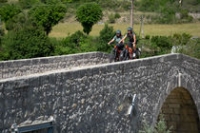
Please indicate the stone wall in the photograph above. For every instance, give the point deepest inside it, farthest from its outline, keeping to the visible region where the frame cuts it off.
(96, 98)
(16, 68)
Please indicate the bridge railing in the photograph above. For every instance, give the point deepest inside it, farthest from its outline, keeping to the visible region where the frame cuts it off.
(17, 68)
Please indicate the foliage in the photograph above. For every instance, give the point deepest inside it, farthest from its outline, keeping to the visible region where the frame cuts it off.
(117, 15)
(48, 15)
(27, 42)
(106, 34)
(1, 36)
(162, 42)
(184, 16)
(3, 1)
(112, 17)
(155, 45)
(167, 16)
(8, 11)
(88, 14)
(167, 9)
(181, 39)
(17, 22)
(192, 48)
(160, 127)
(26, 4)
(76, 43)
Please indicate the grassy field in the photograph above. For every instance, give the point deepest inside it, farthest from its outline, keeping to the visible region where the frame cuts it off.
(64, 29)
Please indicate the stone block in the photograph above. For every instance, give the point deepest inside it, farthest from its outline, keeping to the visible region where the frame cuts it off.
(35, 66)
(167, 111)
(23, 67)
(7, 71)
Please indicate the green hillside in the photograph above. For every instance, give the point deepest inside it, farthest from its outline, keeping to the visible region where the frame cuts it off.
(37, 28)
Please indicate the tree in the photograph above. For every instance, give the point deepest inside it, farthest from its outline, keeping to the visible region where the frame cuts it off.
(106, 34)
(27, 42)
(3, 1)
(1, 35)
(8, 11)
(48, 15)
(89, 14)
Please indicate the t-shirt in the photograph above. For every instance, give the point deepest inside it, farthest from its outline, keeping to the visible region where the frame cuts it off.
(117, 39)
(130, 37)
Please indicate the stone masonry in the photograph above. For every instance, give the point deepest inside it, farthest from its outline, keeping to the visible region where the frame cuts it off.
(95, 98)
(17, 68)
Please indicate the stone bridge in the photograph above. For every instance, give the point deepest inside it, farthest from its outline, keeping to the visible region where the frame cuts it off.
(84, 93)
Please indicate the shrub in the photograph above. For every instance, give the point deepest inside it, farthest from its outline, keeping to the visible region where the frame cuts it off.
(117, 16)
(181, 39)
(184, 16)
(192, 48)
(27, 42)
(106, 34)
(160, 127)
(111, 18)
(26, 4)
(147, 37)
(76, 43)
(162, 42)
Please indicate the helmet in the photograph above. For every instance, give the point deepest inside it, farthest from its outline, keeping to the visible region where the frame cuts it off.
(129, 29)
(118, 32)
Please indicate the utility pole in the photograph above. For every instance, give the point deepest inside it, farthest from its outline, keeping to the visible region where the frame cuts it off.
(141, 26)
(180, 2)
(131, 16)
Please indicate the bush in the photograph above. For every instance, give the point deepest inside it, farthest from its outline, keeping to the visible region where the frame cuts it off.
(184, 16)
(160, 127)
(181, 39)
(147, 37)
(111, 18)
(117, 16)
(76, 43)
(192, 48)
(162, 42)
(106, 34)
(26, 4)
(27, 43)
(77, 37)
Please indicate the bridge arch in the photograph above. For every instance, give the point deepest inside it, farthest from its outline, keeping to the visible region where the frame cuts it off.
(180, 112)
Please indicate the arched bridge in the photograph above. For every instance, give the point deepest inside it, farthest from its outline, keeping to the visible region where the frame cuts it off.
(85, 94)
